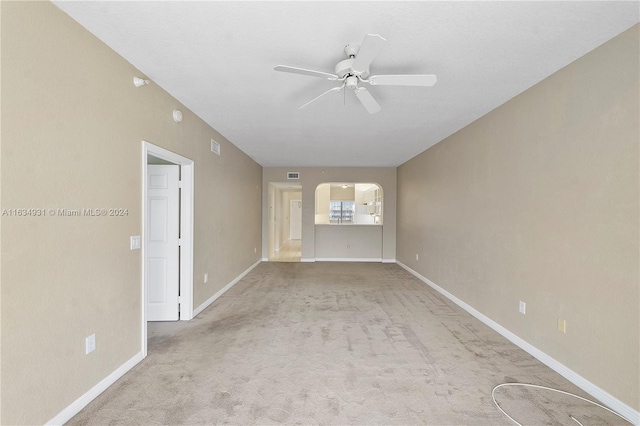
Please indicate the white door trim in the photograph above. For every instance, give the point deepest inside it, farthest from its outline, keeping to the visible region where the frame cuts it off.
(299, 230)
(186, 232)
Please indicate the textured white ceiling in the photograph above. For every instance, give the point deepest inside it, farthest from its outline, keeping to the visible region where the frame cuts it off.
(217, 58)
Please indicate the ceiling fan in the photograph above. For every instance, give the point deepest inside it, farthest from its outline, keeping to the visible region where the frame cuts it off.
(355, 70)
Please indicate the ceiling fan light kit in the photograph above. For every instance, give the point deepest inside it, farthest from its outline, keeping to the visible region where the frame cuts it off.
(355, 70)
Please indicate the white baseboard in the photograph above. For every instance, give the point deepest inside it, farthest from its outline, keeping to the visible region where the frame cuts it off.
(598, 393)
(73, 409)
(388, 261)
(348, 259)
(265, 259)
(77, 405)
(220, 292)
(307, 259)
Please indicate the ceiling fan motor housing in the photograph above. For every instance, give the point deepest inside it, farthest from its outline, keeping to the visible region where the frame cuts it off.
(344, 68)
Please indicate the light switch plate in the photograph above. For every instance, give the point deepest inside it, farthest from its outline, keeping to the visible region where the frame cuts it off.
(90, 344)
(135, 242)
(562, 325)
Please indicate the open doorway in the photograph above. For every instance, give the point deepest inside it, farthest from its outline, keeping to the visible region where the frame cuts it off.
(167, 236)
(285, 222)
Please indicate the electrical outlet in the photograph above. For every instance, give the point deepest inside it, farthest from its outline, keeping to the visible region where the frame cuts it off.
(417, 256)
(90, 344)
(562, 325)
(255, 249)
(522, 308)
(206, 277)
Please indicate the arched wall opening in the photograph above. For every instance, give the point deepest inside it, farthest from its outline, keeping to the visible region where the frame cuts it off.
(348, 222)
(348, 203)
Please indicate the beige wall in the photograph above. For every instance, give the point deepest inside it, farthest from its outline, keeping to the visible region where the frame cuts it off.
(342, 194)
(271, 234)
(310, 178)
(72, 126)
(538, 201)
(323, 192)
(352, 242)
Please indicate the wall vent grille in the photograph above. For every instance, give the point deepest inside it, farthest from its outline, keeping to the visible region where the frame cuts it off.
(215, 147)
(293, 175)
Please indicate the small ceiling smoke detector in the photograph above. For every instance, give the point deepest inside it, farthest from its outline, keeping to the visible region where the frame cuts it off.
(177, 115)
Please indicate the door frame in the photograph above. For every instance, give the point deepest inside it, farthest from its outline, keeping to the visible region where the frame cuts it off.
(300, 202)
(271, 204)
(186, 232)
(275, 214)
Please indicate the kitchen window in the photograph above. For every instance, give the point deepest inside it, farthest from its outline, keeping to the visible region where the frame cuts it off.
(341, 211)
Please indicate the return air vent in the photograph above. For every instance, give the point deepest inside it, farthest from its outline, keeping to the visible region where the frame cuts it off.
(293, 175)
(215, 147)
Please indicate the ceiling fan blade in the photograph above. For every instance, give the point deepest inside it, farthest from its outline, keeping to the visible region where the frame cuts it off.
(333, 89)
(403, 80)
(367, 100)
(369, 49)
(312, 73)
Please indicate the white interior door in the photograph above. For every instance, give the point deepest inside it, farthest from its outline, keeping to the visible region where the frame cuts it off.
(161, 242)
(295, 220)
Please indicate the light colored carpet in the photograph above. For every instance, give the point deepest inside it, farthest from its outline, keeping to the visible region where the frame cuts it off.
(333, 344)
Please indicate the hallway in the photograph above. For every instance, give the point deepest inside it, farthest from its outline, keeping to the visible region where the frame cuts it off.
(289, 252)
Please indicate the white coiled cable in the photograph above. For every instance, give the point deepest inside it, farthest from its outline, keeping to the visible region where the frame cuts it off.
(549, 389)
